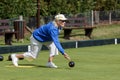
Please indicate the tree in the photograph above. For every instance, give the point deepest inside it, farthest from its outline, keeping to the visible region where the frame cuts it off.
(14, 8)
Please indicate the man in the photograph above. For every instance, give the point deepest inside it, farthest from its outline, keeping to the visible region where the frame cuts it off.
(45, 35)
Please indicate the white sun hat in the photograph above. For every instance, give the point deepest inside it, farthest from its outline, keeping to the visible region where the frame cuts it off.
(60, 17)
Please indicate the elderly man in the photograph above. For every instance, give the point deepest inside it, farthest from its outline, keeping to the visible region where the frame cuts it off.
(45, 35)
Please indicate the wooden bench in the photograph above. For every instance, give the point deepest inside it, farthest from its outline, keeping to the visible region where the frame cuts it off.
(7, 31)
(77, 23)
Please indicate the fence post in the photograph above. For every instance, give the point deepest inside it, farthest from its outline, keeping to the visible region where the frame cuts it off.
(76, 44)
(92, 18)
(115, 40)
(110, 17)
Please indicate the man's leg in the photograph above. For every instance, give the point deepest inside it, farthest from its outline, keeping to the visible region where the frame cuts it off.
(53, 52)
(35, 47)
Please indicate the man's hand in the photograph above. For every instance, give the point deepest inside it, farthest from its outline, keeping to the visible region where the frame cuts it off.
(67, 56)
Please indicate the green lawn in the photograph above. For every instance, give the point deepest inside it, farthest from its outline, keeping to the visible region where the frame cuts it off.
(92, 63)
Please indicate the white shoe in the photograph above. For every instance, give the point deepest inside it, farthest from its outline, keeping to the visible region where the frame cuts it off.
(14, 60)
(51, 65)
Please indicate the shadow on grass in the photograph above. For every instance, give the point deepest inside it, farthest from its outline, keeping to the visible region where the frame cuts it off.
(36, 66)
(42, 66)
(33, 65)
(27, 66)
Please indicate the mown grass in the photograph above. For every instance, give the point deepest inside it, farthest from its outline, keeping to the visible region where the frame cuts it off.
(92, 63)
(106, 32)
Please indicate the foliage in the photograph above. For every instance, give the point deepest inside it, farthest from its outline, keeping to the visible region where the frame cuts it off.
(14, 8)
(106, 4)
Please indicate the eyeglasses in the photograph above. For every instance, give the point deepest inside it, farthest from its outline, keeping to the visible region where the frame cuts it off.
(63, 20)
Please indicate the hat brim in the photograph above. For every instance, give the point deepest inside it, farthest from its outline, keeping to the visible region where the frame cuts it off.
(63, 19)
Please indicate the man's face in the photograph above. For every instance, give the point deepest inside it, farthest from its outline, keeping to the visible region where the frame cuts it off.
(61, 23)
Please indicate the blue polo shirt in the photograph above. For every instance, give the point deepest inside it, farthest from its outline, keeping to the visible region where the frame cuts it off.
(48, 32)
